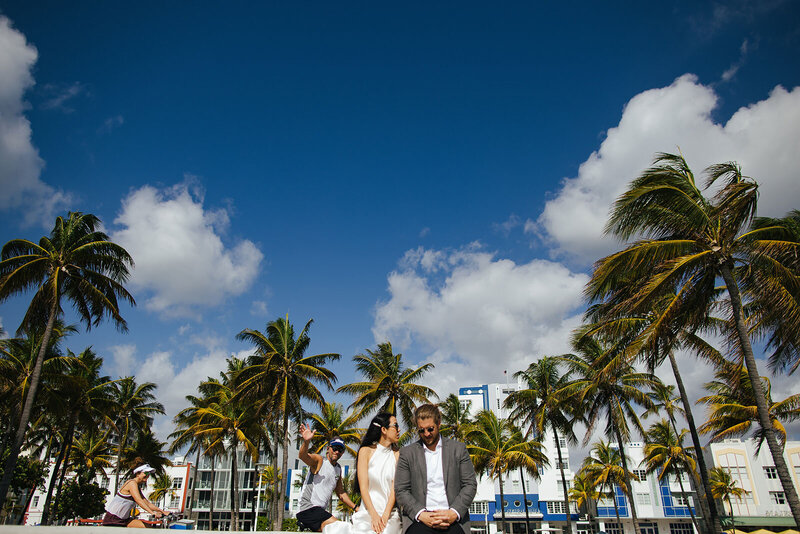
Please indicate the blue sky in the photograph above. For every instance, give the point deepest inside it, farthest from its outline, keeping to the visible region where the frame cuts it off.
(437, 176)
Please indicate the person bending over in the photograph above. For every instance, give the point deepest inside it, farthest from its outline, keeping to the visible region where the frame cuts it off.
(120, 507)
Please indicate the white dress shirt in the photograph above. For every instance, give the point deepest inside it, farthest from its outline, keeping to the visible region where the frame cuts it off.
(436, 497)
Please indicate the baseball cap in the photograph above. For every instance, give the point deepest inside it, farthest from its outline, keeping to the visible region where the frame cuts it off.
(336, 442)
(145, 467)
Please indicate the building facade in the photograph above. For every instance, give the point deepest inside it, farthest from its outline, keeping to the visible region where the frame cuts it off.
(764, 504)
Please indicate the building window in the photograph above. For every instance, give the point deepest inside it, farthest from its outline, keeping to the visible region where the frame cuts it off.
(104, 482)
(771, 472)
(680, 528)
(648, 528)
(641, 474)
(505, 504)
(175, 501)
(517, 504)
(778, 497)
(479, 507)
(35, 501)
(565, 465)
(614, 528)
(681, 499)
(177, 482)
(643, 498)
(556, 507)
(562, 442)
(530, 503)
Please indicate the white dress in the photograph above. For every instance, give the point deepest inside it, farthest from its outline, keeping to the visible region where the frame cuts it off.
(380, 470)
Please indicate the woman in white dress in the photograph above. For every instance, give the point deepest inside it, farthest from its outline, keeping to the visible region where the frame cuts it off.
(375, 465)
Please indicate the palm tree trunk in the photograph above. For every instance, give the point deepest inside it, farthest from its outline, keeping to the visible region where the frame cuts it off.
(563, 481)
(51, 485)
(707, 505)
(525, 498)
(628, 483)
(234, 489)
(688, 504)
(616, 508)
(123, 441)
(285, 467)
(194, 485)
(758, 391)
(211, 504)
(11, 462)
(502, 507)
(68, 442)
(277, 487)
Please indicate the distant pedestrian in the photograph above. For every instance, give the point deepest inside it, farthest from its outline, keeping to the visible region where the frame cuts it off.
(120, 508)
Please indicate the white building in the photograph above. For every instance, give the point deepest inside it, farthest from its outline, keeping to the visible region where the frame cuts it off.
(662, 507)
(545, 497)
(764, 505)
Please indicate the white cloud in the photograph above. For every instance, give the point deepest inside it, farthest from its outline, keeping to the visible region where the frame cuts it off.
(762, 137)
(175, 382)
(731, 71)
(476, 315)
(123, 360)
(20, 164)
(259, 308)
(182, 263)
(506, 226)
(111, 123)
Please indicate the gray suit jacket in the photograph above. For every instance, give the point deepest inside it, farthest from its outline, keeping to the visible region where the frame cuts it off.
(411, 480)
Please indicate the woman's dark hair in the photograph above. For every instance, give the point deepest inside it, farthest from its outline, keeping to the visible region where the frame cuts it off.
(371, 437)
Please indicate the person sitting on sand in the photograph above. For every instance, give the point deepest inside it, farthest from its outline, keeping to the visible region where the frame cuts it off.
(118, 509)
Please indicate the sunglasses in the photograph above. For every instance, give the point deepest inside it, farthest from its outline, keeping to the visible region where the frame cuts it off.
(396, 426)
(428, 430)
(337, 448)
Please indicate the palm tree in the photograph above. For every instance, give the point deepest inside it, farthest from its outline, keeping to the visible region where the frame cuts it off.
(665, 454)
(497, 447)
(76, 262)
(162, 486)
(331, 422)
(82, 395)
(688, 242)
(540, 409)
(387, 385)
(135, 405)
(17, 362)
(584, 494)
(229, 423)
(147, 449)
(606, 385)
(603, 469)
(282, 376)
(91, 452)
(455, 418)
(723, 486)
(732, 407)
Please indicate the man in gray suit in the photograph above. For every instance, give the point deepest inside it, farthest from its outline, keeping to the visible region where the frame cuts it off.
(435, 480)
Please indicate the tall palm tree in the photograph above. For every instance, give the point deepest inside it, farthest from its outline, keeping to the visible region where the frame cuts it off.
(687, 242)
(732, 408)
(82, 395)
(230, 423)
(331, 422)
(606, 386)
(456, 420)
(665, 454)
(723, 486)
(77, 262)
(603, 469)
(497, 447)
(540, 409)
(135, 405)
(147, 449)
(17, 363)
(652, 339)
(387, 385)
(282, 376)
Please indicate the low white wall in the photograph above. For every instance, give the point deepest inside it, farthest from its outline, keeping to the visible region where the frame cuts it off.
(85, 529)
